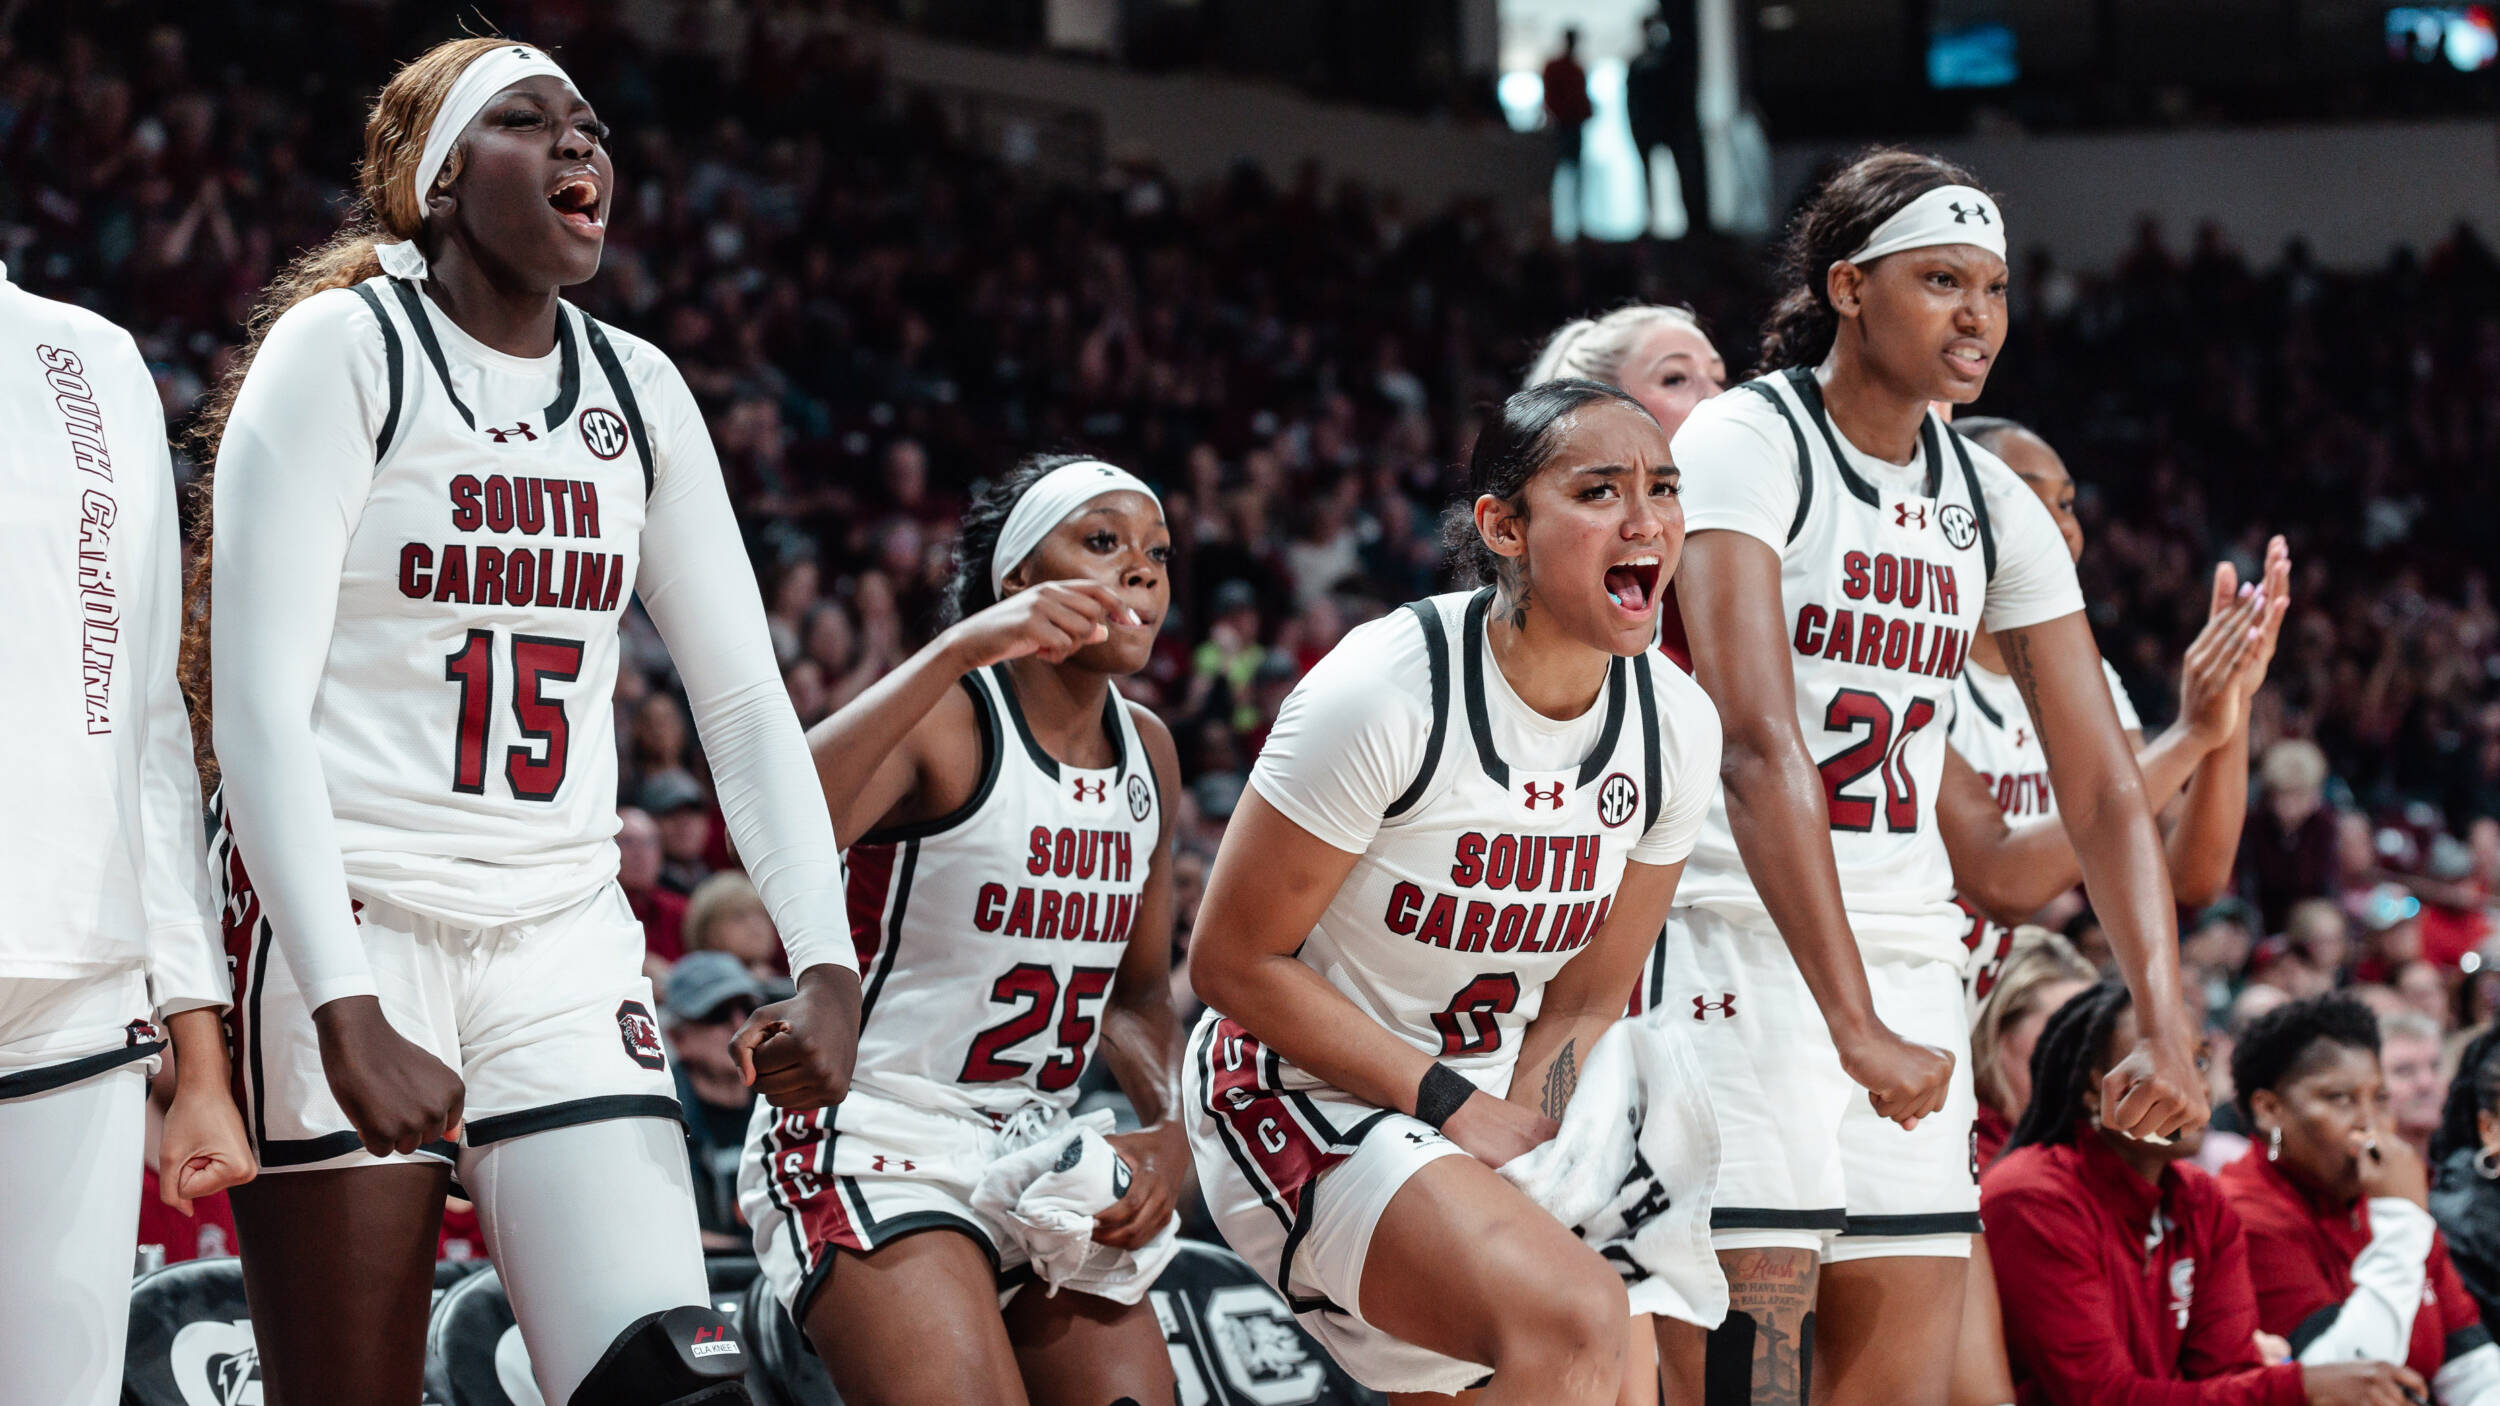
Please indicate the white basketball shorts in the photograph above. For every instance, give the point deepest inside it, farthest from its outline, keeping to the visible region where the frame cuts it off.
(1805, 1161)
(549, 1023)
(58, 1031)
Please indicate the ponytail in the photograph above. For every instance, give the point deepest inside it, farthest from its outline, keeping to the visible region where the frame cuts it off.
(1834, 222)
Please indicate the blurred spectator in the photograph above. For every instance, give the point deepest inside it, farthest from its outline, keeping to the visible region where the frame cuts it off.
(1567, 110)
(2410, 1050)
(662, 912)
(2465, 1197)
(2042, 971)
(676, 803)
(2289, 852)
(706, 997)
(727, 916)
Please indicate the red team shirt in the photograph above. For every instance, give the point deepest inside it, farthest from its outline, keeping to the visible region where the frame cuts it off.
(2119, 1292)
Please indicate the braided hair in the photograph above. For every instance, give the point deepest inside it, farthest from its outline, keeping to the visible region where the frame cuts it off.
(968, 591)
(2278, 1042)
(2476, 1089)
(2061, 1063)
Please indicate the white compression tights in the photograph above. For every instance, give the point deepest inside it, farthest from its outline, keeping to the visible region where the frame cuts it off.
(69, 1233)
(591, 1227)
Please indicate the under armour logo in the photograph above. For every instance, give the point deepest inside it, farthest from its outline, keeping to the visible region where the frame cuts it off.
(1102, 790)
(1963, 216)
(1725, 1006)
(1909, 515)
(879, 1163)
(1548, 796)
(503, 436)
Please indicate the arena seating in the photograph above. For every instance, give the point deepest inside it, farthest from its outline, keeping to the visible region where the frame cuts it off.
(1231, 1339)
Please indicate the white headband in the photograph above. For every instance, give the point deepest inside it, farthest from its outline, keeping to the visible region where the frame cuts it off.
(1047, 504)
(1945, 215)
(486, 75)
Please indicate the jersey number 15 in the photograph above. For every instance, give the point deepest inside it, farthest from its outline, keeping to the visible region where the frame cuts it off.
(537, 661)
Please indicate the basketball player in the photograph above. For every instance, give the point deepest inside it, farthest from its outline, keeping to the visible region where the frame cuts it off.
(1435, 896)
(1657, 355)
(1845, 547)
(1011, 893)
(106, 950)
(437, 487)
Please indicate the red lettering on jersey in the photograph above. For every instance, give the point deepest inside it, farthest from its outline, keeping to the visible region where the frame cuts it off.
(1037, 854)
(1584, 863)
(548, 593)
(1046, 915)
(416, 570)
(1843, 635)
(1948, 598)
(451, 583)
(989, 907)
(1020, 917)
(1476, 927)
(1896, 643)
(1126, 857)
(499, 504)
(616, 582)
(585, 508)
(1571, 927)
(1508, 928)
(572, 580)
(520, 576)
(1439, 921)
(1469, 870)
(1501, 859)
(529, 503)
(488, 587)
(559, 503)
(1870, 638)
(1810, 624)
(465, 516)
(1853, 575)
(1063, 854)
(1887, 577)
(1405, 902)
(1914, 583)
(1536, 920)
(1562, 846)
(1531, 863)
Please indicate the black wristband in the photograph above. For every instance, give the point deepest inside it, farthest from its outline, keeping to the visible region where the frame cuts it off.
(1440, 1094)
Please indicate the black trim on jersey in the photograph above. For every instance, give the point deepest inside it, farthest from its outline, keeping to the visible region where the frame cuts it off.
(896, 907)
(1657, 970)
(811, 1271)
(1593, 766)
(409, 300)
(1437, 664)
(1978, 503)
(394, 361)
(1651, 800)
(1033, 747)
(1301, 1225)
(991, 753)
(1937, 1223)
(1760, 1218)
(1811, 392)
(259, 1083)
(896, 1229)
(1480, 717)
(615, 372)
(1995, 718)
(569, 380)
(572, 1113)
(1805, 458)
(53, 1076)
(303, 1152)
(2313, 1327)
(1229, 1135)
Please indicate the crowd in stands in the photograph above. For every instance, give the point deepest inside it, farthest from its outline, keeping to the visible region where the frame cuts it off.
(876, 317)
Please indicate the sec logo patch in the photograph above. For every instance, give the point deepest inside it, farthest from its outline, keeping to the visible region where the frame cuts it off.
(603, 432)
(1617, 799)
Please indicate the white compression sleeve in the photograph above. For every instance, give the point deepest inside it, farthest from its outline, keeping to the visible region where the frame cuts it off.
(185, 971)
(292, 477)
(2375, 1324)
(696, 585)
(69, 1229)
(591, 1227)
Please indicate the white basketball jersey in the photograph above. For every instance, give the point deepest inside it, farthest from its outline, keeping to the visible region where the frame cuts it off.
(1484, 878)
(1881, 589)
(989, 938)
(464, 720)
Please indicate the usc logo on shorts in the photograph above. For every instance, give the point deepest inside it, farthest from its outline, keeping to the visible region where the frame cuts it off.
(641, 1035)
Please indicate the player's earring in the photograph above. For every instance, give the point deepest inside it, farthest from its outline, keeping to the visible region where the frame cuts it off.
(2486, 1165)
(2274, 1145)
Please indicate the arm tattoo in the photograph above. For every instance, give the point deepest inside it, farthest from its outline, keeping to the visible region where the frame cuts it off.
(2016, 647)
(1561, 1077)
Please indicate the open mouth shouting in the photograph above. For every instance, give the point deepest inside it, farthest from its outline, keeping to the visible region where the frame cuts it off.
(1633, 584)
(576, 200)
(1968, 357)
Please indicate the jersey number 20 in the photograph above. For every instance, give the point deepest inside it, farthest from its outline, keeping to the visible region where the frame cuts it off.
(1882, 749)
(536, 661)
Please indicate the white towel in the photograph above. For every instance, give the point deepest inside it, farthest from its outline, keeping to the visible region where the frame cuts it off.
(1635, 1167)
(1047, 1196)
